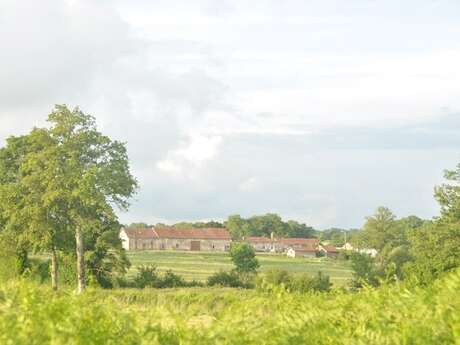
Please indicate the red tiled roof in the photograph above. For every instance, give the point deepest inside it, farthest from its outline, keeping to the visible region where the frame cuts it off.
(193, 233)
(141, 233)
(330, 248)
(300, 241)
(305, 250)
(258, 239)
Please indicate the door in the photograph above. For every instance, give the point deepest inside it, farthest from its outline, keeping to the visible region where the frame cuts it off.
(195, 245)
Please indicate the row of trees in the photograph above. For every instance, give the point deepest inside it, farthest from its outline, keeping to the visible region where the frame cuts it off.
(240, 227)
(58, 188)
(266, 224)
(411, 248)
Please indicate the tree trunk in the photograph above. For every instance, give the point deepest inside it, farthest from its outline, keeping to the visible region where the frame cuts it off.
(54, 269)
(81, 280)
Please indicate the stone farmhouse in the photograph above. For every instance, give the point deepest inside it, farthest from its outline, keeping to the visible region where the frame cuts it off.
(261, 244)
(309, 246)
(216, 239)
(162, 238)
(329, 250)
(300, 247)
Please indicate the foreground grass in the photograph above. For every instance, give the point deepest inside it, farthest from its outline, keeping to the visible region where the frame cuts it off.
(30, 314)
(200, 265)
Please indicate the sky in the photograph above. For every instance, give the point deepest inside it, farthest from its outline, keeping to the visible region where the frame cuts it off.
(320, 111)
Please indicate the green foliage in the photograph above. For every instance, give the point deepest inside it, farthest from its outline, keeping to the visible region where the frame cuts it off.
(266, 225)
(105, 258)
(302, 283)
(244, 258)
(226, 279)
(435, 246)
(57, 181)
(435, 250)
(394, 314)
(365, 271)
(149, 277)
(337, 236)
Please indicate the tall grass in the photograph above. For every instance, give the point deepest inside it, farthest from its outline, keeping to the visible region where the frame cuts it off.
(31, 314)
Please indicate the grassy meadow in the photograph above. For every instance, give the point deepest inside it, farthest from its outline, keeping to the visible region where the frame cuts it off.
(35, 315)
(200, 265)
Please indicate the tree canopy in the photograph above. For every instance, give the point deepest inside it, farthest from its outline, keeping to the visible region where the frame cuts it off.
(65, 181)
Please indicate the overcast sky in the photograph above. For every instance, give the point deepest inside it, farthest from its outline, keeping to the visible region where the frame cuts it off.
(319, 111)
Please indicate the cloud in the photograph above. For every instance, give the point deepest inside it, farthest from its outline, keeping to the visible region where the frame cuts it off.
(319, 110)
(191, 156)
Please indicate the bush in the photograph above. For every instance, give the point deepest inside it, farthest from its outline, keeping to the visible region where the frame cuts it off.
(146, 277)
(149, 277)
(365, 271)
(39, 270)
(306, 283)
(227, 279)
(275, 279)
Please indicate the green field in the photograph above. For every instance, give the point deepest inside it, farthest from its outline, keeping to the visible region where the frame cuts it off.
(200, 265)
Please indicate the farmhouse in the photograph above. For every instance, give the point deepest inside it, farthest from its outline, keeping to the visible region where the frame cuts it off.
(306, 253)
(160, 238)
(299, 247)
(261, 244)
(329, 250)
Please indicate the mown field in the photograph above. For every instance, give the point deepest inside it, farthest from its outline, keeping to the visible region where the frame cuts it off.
(35, 315)
(200, 265)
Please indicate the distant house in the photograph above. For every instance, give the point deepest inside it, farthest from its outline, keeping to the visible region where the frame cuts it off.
(306, 253)
(297, 243)
(347, 246)
(261, 244)
(140, 239)
(369, 251)
(329, 250)
(161, 238)
(299, 247)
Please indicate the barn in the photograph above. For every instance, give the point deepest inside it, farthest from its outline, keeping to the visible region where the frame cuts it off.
(261, 244)
(170, 238)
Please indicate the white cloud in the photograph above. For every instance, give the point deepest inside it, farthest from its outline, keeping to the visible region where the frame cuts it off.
(191, 156)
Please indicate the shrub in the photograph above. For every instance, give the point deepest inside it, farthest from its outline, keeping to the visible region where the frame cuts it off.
(275, 279)
(39, 270)
(149, 277)
(244, 258)
(365, 272)
(227, 279)
(306, 283)
(146, 277)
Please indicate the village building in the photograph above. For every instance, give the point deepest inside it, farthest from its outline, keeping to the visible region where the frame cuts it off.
(305, 253)
(297, 243)
(261, 244)
(329, 250)
(347, 246)
(299, 247)
(167, 238)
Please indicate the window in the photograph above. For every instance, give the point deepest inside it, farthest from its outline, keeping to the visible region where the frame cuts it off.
(177, 245)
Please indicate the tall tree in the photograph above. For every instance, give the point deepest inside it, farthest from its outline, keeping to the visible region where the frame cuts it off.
(95, 172)
(64, 179)
(31, 214)
(435, 246)
(381, 230)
